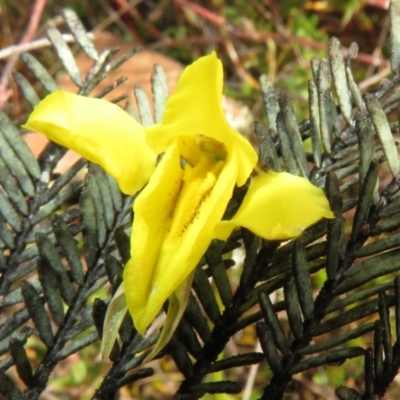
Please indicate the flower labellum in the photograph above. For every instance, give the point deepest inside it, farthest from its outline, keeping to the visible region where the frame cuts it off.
(183, 198)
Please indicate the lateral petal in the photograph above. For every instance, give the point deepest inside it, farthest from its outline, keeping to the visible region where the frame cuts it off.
(101, 132)
(278, 206)
(196, 108)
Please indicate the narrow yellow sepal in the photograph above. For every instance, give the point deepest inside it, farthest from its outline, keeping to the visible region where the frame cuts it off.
(115, 314)
(176, 307)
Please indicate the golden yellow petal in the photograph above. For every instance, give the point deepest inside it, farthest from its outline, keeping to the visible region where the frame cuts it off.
(180, 254)
(278, 206)
(153, 208)
(195, 108)
(163, 258)
(101, 132)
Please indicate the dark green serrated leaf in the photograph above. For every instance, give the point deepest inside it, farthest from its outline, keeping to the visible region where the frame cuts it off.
(124, 245)
(394, 10)
(205, 294)
(115, 193)
(353, 87)
(8, 388)
(378, 348)
(369, 372)
(337, 64)
(345, 393)
(349, 316)
(77, 345)
(19, 146)
(267, 152)
(371, 268)
(69, 248)
(21, 335)
(337, 340)
(195, 316)
(64, 54)
(324, 99)
(114, 272)
(62, 181)
(9, 214)
(51, 258)
(292, 129)
(366, 197)
(159, 89)
(384, 317)
(110, 88)
(15, 296)
(359, 295)
(57, 201)
(293, 307)
(383, 130)
(315, 123)
(98, 72)
(12, 189)
(40, 72)
(391, 209)
(365, 136)
(6, 235)
(16, 167)
(79, 32)
(27, 90)
(251, 244)
(237, 361)
(314, 68)
(336, 241)
(49, 281)
(333, 357)
(189, 338)
(397, 307)
(285, 145)
(105, 192)
(227, 387)
(143, 106)
(124, 58)
(94, 190)
(218, 271)
(303, 281)
(180, 356)
(22, 364)
(85, 321)
(270, 103)
(38, 313)
(272, 320)
(267, 344)
(12, 324)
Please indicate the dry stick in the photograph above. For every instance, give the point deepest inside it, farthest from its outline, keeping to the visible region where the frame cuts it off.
(34, 19)
(34, 45)
(251, 377)
(382, 39)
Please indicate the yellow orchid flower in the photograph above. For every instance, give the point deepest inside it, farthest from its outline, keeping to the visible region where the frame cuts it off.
(179, 211)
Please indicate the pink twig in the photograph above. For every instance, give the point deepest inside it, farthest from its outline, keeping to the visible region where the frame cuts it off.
(207, 14)
(5, 92)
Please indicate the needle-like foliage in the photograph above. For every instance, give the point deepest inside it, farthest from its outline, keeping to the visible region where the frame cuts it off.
(56, 252)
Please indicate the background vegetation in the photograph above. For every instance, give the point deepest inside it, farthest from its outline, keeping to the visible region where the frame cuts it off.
(252, 38)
